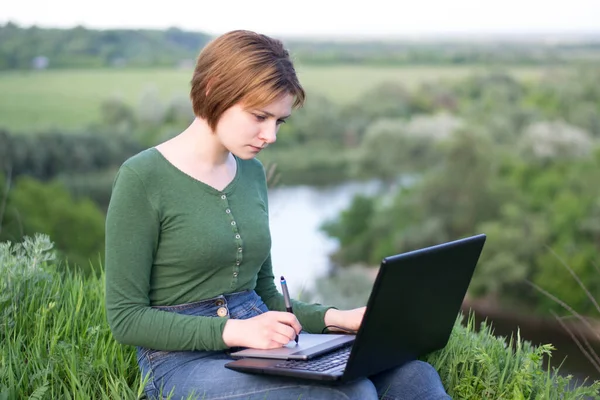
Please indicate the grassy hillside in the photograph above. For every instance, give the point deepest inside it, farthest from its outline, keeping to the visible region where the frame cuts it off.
(72, 98)
(57, 344)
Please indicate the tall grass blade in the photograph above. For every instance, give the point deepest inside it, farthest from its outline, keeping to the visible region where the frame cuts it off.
(588, 353)
(566, 307)
(576, 277)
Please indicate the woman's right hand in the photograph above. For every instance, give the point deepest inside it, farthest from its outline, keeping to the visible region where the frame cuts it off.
(269, 330)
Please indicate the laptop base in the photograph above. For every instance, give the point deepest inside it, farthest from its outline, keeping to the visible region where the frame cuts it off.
(268, 367)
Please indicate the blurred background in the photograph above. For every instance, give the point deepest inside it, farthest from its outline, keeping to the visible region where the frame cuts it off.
(424, 123)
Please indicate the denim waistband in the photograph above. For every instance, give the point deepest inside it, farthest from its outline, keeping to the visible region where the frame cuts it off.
(244, 299)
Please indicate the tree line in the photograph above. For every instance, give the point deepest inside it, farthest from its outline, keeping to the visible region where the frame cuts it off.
(23, 48)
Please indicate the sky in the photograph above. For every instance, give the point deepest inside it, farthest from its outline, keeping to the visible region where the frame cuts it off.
(317, 17)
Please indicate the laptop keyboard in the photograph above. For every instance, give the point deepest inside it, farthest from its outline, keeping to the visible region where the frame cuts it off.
(321, 363)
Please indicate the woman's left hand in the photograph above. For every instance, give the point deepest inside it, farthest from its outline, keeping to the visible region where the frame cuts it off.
(348, 319)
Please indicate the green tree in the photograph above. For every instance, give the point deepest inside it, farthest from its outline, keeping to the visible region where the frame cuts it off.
(352, 231)
(76, 226)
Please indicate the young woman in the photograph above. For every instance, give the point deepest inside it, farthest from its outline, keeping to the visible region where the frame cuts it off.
(188, 266)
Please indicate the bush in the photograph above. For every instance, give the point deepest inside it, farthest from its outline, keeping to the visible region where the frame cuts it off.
(56, 343)
(76, 225)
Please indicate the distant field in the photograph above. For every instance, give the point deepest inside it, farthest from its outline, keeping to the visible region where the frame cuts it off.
(71, 98)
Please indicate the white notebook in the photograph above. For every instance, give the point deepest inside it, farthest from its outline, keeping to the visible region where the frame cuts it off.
(309, 345)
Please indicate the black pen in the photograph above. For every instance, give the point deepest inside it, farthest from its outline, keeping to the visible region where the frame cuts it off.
(286, 299)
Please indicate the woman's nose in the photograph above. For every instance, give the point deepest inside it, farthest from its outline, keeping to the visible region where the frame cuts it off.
(269, 134)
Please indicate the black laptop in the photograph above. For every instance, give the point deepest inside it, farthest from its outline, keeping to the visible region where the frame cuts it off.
(411, 311)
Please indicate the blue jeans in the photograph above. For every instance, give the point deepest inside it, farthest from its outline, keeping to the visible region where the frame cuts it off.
(179, 374)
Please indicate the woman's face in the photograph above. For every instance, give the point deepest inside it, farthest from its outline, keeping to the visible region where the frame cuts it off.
(246, 131)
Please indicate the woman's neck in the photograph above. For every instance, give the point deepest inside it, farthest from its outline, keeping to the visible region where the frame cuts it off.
(204, 145)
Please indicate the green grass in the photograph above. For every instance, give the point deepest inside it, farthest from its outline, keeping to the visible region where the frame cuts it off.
(345, 83)
(56, 343)
(70, 99)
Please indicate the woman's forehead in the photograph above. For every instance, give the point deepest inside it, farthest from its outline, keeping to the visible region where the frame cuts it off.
(280, 107)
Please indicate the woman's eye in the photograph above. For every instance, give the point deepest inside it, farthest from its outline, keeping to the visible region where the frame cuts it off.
(280, 121)
(260, 118)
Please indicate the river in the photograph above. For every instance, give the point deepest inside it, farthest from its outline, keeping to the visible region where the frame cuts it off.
(299, 250)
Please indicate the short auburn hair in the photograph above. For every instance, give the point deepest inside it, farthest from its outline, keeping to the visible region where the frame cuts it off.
(242, 67)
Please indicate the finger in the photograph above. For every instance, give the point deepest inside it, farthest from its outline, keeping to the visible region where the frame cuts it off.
(274, 345)
(269, 345)
(285, 330)
(280, 339)
(291, 320)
